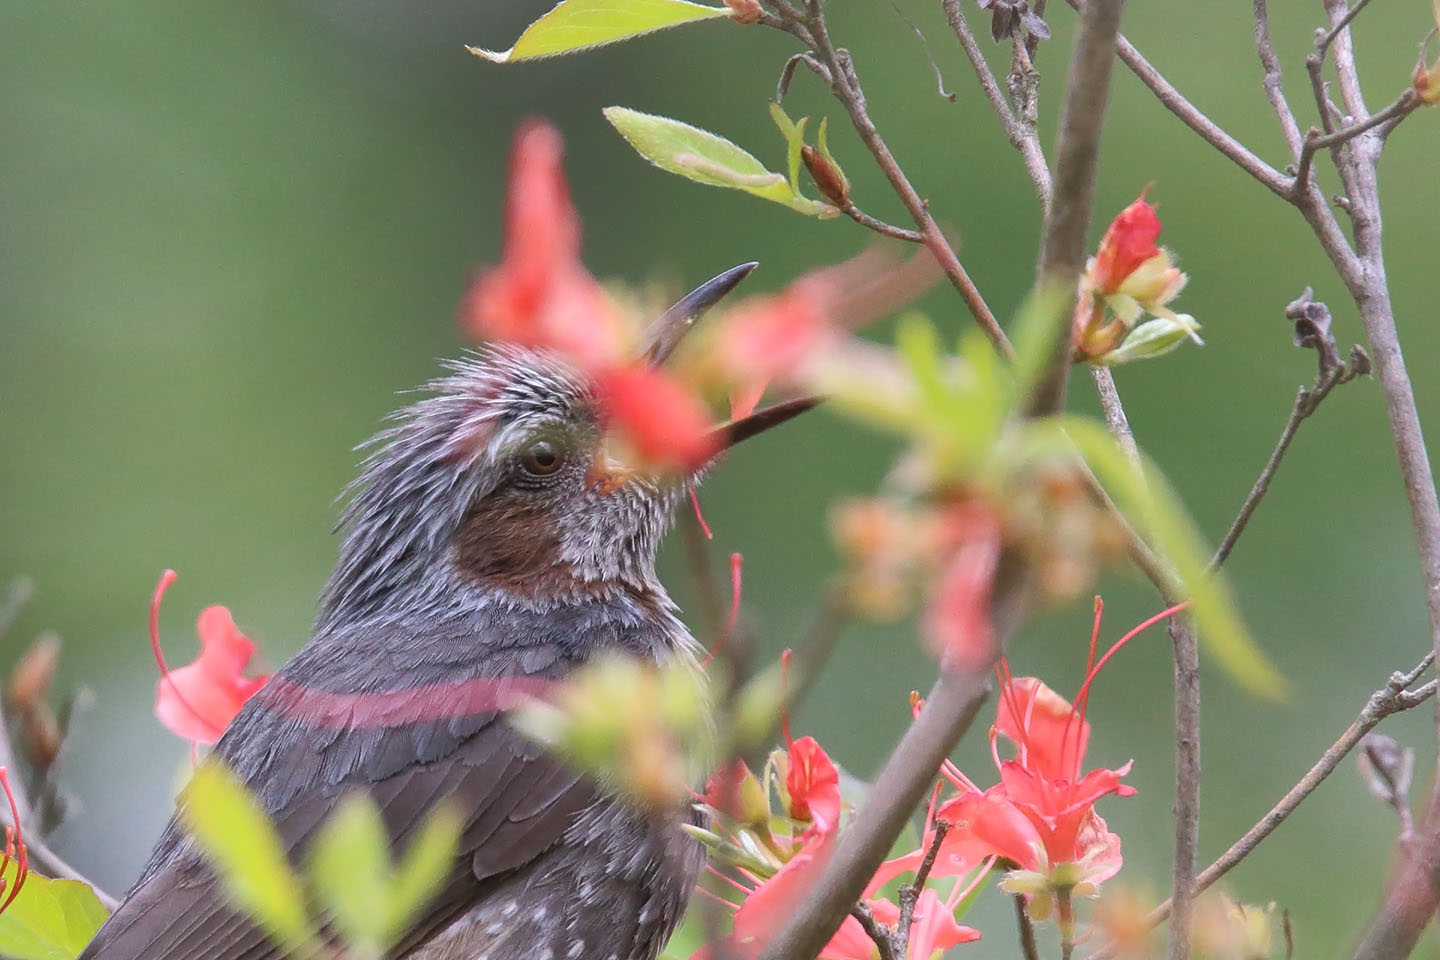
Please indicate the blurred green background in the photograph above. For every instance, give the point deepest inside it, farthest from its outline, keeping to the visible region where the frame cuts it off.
(229, 233)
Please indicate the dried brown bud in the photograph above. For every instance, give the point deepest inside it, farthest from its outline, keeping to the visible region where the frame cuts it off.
(744, 11)
(31, 678)
(42, 737)
(827, 176)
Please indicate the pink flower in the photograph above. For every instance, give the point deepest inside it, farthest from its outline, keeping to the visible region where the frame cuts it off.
(540, 294)
(662, 419)
(814, 786)
(198, 701)
(1128, 242)
(957, 622)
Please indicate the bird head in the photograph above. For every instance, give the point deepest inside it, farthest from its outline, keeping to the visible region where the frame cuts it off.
(500, 487)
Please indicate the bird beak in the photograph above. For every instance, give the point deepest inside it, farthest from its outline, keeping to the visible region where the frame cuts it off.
(670, 329)
(728, 434)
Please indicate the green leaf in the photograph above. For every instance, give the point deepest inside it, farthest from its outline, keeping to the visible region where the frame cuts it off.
(424, 867)
(794, 134)
(350, 871)
(49, 919)
(1152, 506)
(575, 25)
(1153, 338)
(240, 841)
(704, 157)
(1037, 332)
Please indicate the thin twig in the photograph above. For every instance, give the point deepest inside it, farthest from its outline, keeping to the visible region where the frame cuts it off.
(1325, 39)
(1273, 80)
(1395, 697)
(1187, 781)
(875, 930)
(1401, 107)
(929, 56)
(1077, 156)
(909, 894)
(880, 226)
(1194, 118)
(845, 86)
(1307, 401)
(1029, 949)
(1022, 135)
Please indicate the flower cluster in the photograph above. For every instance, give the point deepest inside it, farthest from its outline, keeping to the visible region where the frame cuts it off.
(1129, 277)
(773, 857)
(541, 295)
(1037, 825)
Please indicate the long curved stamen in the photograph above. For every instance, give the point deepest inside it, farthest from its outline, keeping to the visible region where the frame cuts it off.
(699, 515)
(1007, 698)
(721, 875)
(167, 578)
(1082, 698)
(1115, 647)
(16, 835)
(716, 897)
(736, 560)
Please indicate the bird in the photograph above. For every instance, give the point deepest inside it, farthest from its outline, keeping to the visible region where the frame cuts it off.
(487, 544)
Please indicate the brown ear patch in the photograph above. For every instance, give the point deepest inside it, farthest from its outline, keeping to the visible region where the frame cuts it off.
(510, 541)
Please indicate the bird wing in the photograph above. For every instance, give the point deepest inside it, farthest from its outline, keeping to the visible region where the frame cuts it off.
(299, 752)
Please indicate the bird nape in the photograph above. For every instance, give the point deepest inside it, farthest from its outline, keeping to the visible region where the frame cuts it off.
(491, 543)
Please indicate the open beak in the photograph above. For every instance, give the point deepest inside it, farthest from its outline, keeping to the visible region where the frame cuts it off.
(670, 329)
(674, 323)
(729, 434)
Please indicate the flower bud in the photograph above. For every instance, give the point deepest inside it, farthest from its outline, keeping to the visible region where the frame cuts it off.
(829, 180)
(744, 11)
(31, 678)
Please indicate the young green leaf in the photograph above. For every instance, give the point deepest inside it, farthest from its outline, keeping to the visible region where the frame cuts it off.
(704, 157)
(794, 134)
(247, 853)
(350, 871)
(1148, 502)
(49, 919)
(575, 25)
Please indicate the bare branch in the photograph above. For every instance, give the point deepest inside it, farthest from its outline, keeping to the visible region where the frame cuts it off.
(1077, 155)
(1194, 118)
(1273, 80)
(1341, 13)
(875, 930)
(1029, 949)
(1187, 781)
(880, 226)
(1395, 697)
(910, 893)
(1021, 134)
(845, 86)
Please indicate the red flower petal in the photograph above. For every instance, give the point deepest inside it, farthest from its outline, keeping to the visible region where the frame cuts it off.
(1129, 242)
(198, 701)
(814, 786)
(1051, 736)
(540, 295)
(663, 420)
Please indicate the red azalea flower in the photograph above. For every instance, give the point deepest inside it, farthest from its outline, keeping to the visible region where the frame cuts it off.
(957, 622)
(541, 295)
(198, 701)
(661, 418)
(814, 786)
(1129, 242)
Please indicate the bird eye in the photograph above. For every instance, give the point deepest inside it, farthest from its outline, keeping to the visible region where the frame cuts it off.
(542, 458)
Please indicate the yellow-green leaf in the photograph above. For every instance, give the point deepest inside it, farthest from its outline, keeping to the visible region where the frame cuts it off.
(247, 853)
(1148, 502)
(49, 919)
(350, 871)
(575, 25)
(707, 158)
